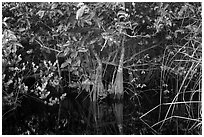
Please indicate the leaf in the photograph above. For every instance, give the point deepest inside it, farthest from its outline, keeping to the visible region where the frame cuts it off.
(73, 85)
(13, 8)
(86, 87)
(32, 39)
(21, 29)
(54, 6)
(60, 12)
(65, 64)
(5, 24)
(78, 62)
(168, 22)
(178, 31)
(82, 50)
(40, 13)
(94, 40)
(74, 38)
(122, 14)
(80, 4)
(86, 82)
(88, 22)
(98, 21)
(61, 54)
(66, 51)
(69, 60)
(6, 18)
(74, 54)
(182, 10)
(76, 72)
(28, 24)
(74, 23)
(60, 27)
(18, 44)
(80, 11)
(14, 49)
(11, 36)
(92, 15)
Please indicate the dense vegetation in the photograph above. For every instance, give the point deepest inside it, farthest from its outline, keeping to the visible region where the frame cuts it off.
(65, 66)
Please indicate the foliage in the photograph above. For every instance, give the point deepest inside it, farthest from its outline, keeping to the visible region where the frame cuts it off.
(59, 45)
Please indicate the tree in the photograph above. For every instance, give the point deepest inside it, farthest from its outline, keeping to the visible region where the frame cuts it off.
(59, 44)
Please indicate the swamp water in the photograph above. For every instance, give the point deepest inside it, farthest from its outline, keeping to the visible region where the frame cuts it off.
(80, 116)
(105, 116)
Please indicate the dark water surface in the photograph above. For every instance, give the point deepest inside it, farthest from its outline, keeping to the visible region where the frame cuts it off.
(105, 116)
(80, 116)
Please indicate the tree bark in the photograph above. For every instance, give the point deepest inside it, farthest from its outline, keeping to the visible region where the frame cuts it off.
(98, 85)
(118, 84)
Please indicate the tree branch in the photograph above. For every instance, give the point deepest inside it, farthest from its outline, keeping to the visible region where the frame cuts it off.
(133, 57)
(137, 36)
(47, 47)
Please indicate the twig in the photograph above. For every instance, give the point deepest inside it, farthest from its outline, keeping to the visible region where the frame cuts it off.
(186, 118)
(9, 111)
(104, 45)
(184, 102)
(127, 67)
(133, 57)
(47, 47)
(150, 111)
(137, 36)
(149, 126)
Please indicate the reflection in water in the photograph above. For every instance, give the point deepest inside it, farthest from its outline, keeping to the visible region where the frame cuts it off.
(80, 116)
(118, 109)
(105, 115)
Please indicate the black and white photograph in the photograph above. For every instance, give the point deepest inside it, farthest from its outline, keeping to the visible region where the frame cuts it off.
(101, 68)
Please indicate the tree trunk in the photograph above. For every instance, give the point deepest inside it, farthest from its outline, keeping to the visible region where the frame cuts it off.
(118, 84)
(98, 87)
